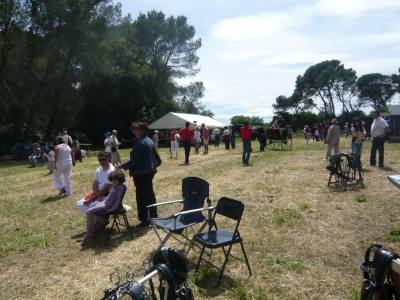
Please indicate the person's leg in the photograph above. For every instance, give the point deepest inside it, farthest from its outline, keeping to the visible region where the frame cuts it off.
(171, 149)
(187, 146)
(336, 149)
(244, 153)
(381, 148)
(141, 198)
(248, 152)
(67, 170)
(58, 184)
(374, 147)
(328, 151)
(150, 196)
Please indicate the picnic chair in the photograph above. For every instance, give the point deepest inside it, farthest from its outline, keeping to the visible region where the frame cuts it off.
(119, 213)
(194, 191)
(220, 238)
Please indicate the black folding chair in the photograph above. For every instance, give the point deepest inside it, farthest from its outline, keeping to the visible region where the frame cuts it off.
(220, 238)
(119, 213)
(194, 191)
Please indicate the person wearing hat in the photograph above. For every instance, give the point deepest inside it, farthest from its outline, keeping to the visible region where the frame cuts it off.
(107, 143)
(379, 129)
(333, 139)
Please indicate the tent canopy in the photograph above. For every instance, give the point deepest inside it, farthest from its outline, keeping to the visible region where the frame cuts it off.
(178, 120)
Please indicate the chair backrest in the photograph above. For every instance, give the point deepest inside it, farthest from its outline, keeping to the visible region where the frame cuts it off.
(194, 191)
(121, 200)
(230, 208)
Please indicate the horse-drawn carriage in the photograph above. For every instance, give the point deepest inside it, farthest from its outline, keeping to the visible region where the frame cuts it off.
(279, 138)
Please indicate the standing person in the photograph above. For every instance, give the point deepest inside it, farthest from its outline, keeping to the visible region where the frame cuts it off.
(233, 137)
(379, 129)
(187, 137)
(358, 136)
(155, 139)
(262, 139)
(346, 130)
(50, 160)
(115, 155)
(107, 143)
(226, 137)
(316, 133)
(197, 139)
(333, 139)
(246, 133)
(62, 167)
(142, 166)
(205, 133)
(217, 136)
(307, 133)
(173, 138)
(66, 138)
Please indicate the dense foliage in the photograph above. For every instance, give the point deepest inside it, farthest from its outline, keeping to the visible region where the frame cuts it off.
(80, 64)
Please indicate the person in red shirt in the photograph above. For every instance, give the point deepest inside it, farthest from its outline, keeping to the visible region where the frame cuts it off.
(205, 134)
(187, 137)
(246, 134)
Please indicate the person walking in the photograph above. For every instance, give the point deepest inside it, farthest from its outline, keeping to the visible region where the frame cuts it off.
(107, 143)
(246, 134)
(379, 129)
(233, 138)
(205, 134)
(115, 155)
(307, 133)
(174, 141)
(62, 167)
(226, 137)
(262, 139)
(142, 166)
(333, 139)
(217, 136)
(197, 139)
(187, 137)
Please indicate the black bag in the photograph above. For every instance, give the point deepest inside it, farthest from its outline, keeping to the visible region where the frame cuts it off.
(377, 283)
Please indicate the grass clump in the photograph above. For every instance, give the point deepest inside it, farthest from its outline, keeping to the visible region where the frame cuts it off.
(353, 294)
(303, 205)
(286, 263)
(286, 215)
(360, 198)
(394, 235)
(260, 293)
(22, 240)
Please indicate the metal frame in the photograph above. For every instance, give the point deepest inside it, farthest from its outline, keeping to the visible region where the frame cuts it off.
(345, 168)
(236, 239)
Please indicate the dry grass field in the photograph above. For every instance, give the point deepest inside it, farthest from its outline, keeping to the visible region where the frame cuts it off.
(304, 240)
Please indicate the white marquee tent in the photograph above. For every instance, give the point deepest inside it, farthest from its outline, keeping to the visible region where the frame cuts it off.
(178, 120)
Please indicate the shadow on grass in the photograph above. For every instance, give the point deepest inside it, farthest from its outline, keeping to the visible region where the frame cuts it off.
(337, 187)
(108, 239)
(52, 199)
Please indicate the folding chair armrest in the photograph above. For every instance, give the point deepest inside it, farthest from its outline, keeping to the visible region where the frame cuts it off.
(186, 212)
(164, 203)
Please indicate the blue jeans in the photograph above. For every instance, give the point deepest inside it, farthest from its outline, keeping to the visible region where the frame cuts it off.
(356, 148)
(246, 152)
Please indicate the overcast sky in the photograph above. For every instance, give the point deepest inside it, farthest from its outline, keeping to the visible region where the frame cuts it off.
(254, 49)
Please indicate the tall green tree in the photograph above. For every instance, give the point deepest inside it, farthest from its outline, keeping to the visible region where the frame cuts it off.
(375, 90)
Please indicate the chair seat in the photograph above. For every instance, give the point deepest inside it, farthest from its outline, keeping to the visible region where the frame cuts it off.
(216, 238)
(169, 223)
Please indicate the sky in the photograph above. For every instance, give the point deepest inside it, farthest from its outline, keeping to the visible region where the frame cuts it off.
(253, 50)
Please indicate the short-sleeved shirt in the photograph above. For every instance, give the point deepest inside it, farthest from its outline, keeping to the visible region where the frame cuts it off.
(378, 127)
(101, 176)
(205, 132)
(246, 133)
(186, 134)
(172, 135)
(107, 144)
(64, 153)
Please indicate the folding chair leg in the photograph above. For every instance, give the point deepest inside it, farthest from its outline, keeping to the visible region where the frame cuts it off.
(246, 259)
(224, 265)
(116, 220)
(200, 257)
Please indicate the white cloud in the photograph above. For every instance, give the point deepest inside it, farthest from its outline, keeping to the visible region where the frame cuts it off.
(353, 7)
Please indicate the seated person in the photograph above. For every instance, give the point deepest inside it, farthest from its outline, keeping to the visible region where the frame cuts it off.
(36, 154)
(101, 184)
(111, 203)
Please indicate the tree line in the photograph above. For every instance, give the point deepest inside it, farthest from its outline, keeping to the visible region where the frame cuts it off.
(82, 65)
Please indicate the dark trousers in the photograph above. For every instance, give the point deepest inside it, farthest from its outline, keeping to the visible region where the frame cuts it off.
(227, 143)
(233, 142)
(263, 143)
(246, 152)
(377, 144)
(187, 146)
(145, 196)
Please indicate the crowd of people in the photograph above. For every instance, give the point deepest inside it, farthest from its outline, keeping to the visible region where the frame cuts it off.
(144, 159)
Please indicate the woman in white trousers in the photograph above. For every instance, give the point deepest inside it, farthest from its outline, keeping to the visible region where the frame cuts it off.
(62, 167)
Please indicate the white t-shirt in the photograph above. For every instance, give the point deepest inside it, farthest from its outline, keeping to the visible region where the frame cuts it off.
(114, 140)
(378, 127)
(101, 176)
(107, 144)
(50, 156)
(67, 139)
(64, 153)
(216, 131)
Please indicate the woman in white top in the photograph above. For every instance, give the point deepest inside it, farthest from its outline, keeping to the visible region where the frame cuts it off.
(197, 139)
(62, 167)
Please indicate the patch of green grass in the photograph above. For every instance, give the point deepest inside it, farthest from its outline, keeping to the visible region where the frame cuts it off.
(353, 294)
(303, 205)
(23, 239)
(285, 263)
(394, 235)
(286, 215)
(360, 198)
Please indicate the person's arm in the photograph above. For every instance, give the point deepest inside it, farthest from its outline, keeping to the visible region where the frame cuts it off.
(329, 135)
(95, 186)
(353, 132)
(105, 190)
(55, 158)
(138, 153)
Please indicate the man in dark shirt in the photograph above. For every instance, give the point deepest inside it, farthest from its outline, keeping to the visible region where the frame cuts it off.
(246, 133)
